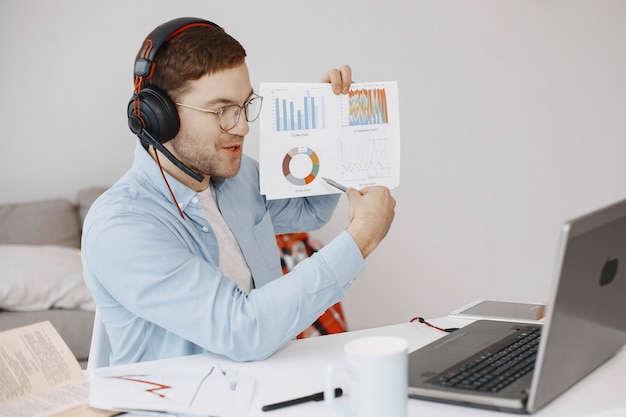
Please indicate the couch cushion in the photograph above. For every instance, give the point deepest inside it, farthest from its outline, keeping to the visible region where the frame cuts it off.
(37, 277)
(47, 222)
(85, 199)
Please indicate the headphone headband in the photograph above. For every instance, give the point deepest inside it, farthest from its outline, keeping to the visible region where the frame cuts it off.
(144, 65)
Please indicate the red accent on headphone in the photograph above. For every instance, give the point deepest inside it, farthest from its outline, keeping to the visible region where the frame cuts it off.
(191, 25)
(145, 54)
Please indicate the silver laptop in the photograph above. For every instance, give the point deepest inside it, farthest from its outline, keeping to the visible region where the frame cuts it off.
(584, 326)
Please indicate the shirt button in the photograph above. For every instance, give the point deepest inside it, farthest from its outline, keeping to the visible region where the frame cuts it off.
(194, 200)
(205, 229)
(351, 281)
(180, 205)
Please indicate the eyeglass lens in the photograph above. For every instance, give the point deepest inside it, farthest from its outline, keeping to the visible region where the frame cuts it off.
(229, 116)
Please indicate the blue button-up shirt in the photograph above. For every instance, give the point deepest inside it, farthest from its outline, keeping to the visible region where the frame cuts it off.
(156, 278)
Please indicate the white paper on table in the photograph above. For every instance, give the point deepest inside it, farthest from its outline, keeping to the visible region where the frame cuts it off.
(202, 389)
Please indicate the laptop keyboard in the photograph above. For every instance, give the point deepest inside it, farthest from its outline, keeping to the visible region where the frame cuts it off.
(493, 371)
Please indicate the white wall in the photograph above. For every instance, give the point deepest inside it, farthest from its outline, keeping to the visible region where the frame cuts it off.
(513, 118)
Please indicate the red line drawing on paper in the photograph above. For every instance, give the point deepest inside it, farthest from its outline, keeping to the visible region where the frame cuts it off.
(153, 390)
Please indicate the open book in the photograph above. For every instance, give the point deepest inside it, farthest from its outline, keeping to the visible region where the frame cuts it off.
(40, 377)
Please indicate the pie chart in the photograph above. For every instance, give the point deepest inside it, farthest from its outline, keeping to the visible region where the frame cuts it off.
(301, 165)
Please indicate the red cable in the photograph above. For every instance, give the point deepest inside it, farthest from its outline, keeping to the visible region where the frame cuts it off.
(156, 153)
(423, 321)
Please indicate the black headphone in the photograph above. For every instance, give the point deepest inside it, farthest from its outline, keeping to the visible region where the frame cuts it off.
(152, 115)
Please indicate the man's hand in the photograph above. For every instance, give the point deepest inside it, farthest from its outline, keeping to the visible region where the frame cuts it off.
(371, 213)
(340, 79)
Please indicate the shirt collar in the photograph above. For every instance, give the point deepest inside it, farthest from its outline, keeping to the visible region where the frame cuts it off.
(152, 174)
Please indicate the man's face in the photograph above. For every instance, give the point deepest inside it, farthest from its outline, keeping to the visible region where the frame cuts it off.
(200, 143)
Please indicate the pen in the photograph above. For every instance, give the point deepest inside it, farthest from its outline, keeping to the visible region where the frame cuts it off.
(335, 184)
(319, 396)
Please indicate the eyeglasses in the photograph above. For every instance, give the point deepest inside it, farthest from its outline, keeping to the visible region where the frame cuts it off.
(228, 116)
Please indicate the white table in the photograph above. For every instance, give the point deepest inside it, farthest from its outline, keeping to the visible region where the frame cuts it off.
(298, 370)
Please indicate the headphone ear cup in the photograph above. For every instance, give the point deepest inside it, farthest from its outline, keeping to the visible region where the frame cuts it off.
(158, 115)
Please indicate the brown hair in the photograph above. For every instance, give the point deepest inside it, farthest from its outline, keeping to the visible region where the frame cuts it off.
(197, 51)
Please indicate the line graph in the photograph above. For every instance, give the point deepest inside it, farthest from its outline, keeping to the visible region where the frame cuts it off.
(364, 159)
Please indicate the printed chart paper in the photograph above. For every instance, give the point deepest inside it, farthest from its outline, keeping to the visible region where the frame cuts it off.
(192, 385)
(308, 132)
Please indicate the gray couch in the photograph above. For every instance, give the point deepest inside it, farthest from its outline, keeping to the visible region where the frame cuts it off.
(54, 222)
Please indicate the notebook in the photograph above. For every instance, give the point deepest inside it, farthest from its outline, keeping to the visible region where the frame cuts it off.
(584, 326)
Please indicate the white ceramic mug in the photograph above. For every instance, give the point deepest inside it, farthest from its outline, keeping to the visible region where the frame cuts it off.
(377, 367)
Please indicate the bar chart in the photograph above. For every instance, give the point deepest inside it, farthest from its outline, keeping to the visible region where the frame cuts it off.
(299, 113)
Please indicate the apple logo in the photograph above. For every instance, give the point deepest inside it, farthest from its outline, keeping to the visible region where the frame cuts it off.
(609, 270)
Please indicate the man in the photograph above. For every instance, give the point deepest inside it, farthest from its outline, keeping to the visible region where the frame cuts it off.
(180, 254)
